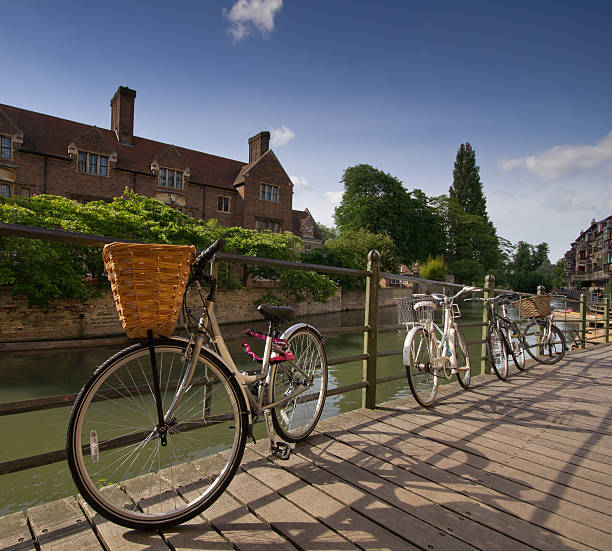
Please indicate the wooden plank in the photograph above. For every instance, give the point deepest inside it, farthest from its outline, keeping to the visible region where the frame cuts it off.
(397, 479)
(231, 519)
(15, 534)
(494, 490)
(116, 537)
(331, 512)
(62, 525)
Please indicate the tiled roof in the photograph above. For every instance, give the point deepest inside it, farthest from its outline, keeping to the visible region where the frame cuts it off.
(51, 136)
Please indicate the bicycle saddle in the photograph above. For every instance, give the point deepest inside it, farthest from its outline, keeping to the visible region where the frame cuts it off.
(272, 313)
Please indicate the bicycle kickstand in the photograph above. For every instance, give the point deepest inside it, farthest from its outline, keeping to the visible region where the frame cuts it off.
(278, 448)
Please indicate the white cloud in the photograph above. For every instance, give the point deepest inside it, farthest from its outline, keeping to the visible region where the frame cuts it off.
(564, 159)
(282, 136)
(249, 15)
(300, 183)
(334, 197)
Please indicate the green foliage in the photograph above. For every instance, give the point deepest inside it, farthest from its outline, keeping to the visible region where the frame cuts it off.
(42, 271)
(377, 202)
(328, 232)
(435, 268)
(608, 290)
(530, 268)
(558, 272)
(350, 250)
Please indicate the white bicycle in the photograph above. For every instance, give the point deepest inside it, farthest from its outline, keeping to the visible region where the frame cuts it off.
(429, 350)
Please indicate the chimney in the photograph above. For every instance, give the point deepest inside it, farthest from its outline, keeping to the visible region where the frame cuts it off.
(258, 145)
(122, 114)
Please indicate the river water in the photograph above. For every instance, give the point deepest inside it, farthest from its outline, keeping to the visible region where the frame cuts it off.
(36, 374)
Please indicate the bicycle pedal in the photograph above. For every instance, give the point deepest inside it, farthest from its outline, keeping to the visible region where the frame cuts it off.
(281, 450)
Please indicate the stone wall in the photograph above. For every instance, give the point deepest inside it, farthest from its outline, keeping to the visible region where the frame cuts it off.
(71, 319)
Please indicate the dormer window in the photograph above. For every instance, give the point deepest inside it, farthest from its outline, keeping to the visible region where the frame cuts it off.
(170, 178)
(6, 147)
(92, 163)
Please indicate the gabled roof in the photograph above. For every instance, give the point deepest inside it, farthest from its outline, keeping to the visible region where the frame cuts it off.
(298, 219)
(48, 135)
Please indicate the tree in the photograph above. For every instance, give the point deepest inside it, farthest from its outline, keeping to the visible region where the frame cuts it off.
(377, 202)
(435, 268)
(473, 245)
(530, 268)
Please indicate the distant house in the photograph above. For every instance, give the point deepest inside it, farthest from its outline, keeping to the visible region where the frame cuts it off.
(45, 154)
(588, 263)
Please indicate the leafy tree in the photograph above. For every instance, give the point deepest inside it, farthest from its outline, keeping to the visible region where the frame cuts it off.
(558, 272)
(376, 201)
(473, 245)
(327, 232)
(350, 250)
(435, 268)
(530, 268)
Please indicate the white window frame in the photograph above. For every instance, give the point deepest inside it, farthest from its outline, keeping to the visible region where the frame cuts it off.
(5, 190)
(3, 146)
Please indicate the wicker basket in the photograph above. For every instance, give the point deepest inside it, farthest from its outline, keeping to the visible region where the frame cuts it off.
(415, 309)
(148, 283)
(533, 307)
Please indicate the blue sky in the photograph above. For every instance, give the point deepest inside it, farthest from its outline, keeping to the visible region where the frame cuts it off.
(396, 84)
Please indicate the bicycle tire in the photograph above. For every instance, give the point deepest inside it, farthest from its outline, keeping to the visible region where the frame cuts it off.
(420, 370)
(549, 350)
(464, 375)
(295, 420)
(498, 351)
(132, 478)
(517, 346)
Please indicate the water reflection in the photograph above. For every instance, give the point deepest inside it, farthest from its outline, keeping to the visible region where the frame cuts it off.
(37, 374)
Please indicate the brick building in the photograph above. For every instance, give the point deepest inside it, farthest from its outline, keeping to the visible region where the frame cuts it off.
(589, 260)
(45, 154)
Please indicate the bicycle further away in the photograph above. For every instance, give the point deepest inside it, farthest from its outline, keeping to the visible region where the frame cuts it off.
(543, 340)
(504, 339)
(430, 351)
(158, 431)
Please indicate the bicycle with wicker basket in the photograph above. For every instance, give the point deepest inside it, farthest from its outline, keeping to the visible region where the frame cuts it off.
(542, 339)
(159, 430)
(430, 351)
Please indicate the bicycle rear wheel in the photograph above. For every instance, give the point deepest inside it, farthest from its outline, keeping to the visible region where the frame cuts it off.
(464, 375)
(419, 358)
(548, 346)
(117, 459)
(296, 419)
(498, 353)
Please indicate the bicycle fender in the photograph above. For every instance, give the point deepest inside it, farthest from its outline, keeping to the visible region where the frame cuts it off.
(406, 350)
(290, 330)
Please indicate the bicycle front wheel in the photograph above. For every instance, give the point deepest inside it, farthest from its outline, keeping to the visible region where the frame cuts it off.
(548, 346)
(422, 374)
(498, 353)
(305, 377)
(119, 462)
(464, 375)
(517, 347)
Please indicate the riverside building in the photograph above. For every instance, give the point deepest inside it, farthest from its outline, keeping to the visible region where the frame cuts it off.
(45, 154)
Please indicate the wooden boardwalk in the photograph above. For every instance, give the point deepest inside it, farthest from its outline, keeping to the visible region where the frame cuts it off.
(525, 464)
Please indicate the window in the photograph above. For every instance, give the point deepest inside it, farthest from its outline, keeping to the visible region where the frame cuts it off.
(190, 214)
(25, 192)
(222, 203)
(268, 193)
(170, 178)
(5, 147)
(267, 225)
(93, 163)
(5, 190)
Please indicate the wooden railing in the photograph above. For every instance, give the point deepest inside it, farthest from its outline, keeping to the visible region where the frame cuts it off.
(370, 328)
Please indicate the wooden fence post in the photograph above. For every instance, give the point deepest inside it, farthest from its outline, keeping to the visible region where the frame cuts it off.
(582, 327)
(488, 292)
(606, 319)
(370, 337)
(541, 290)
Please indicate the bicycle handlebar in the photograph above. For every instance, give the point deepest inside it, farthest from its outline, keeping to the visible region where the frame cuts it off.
(207, 255)
(450, 299)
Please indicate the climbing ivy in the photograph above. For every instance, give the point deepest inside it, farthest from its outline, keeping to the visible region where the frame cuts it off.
(42, 270)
